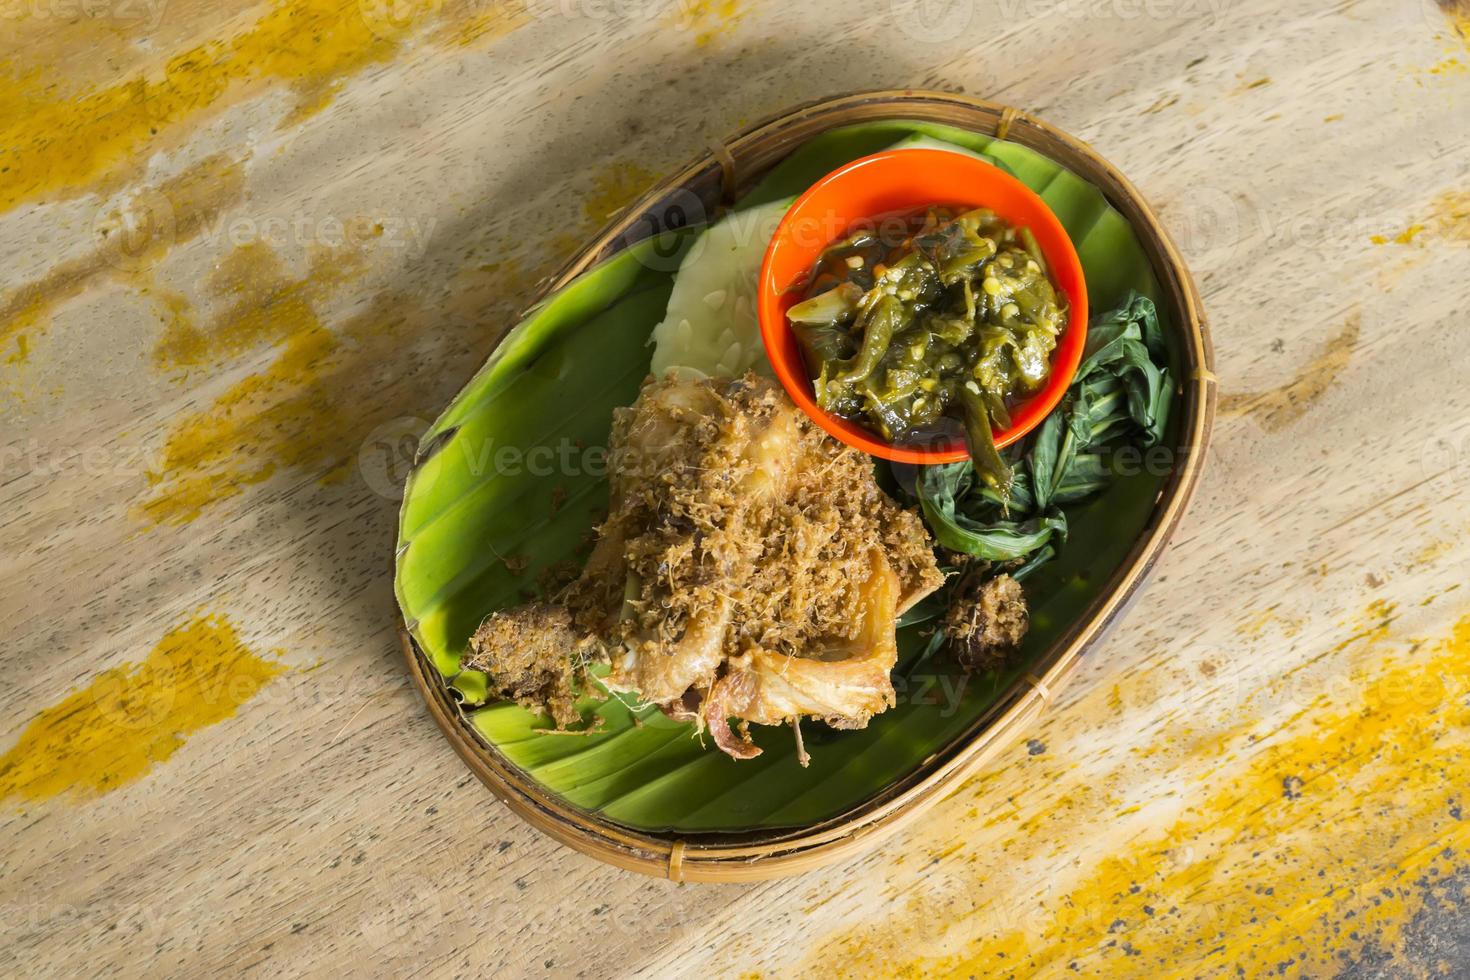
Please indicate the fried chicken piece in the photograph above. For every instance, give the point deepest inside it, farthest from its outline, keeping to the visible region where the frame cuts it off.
(986, 622)
(749, 564)
(848, 685)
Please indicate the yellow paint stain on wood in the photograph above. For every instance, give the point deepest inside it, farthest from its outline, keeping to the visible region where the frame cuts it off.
(1439, 594)
(1449, 218)
(248, 433)
(55, 144)
(477, 23)
(133, 717)
(270, 312)
(1328, 838)
(1455, 36)
(707, 20)
(327, 388)
(303, 411)
(22, 351)
(1255, 625)
(261, 304)
(1434, 551)
(613, 189)
(1251, 85)
(1402, 238)
(1446, 222)
(1280, 407)
(1259, 623)
(175, 309)
(1161, 104)
(38, 39)
(99, 44)
(505, 284)
(128, 241)
(1457, 13)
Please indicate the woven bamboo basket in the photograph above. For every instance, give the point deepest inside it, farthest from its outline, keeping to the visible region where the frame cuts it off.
(716, 178)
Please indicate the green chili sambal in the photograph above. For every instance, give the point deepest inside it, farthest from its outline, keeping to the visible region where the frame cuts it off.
(943, 315)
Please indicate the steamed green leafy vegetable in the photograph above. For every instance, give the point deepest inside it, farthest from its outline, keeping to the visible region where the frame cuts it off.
(1120, 397)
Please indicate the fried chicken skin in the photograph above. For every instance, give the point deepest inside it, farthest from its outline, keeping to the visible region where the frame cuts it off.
(750, 567)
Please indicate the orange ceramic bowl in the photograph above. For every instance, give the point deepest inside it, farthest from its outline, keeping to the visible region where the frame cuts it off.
(901, 182)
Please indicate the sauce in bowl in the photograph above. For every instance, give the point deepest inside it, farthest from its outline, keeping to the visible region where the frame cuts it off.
(945, 315)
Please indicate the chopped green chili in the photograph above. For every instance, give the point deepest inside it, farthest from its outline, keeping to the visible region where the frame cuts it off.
(941, 315)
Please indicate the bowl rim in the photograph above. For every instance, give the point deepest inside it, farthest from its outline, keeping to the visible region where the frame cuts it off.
(773, 299)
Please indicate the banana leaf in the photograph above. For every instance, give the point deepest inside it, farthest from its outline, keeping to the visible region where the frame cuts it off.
(478, 529)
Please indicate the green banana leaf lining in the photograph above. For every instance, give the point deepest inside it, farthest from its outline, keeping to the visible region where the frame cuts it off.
(511, 487)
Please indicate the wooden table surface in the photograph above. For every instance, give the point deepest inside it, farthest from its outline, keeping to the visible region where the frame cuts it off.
(247, 248)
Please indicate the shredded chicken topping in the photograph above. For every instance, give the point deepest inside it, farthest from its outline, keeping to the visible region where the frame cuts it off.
(750, 567)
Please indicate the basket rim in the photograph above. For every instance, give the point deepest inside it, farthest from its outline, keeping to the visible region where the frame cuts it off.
(759, 855)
